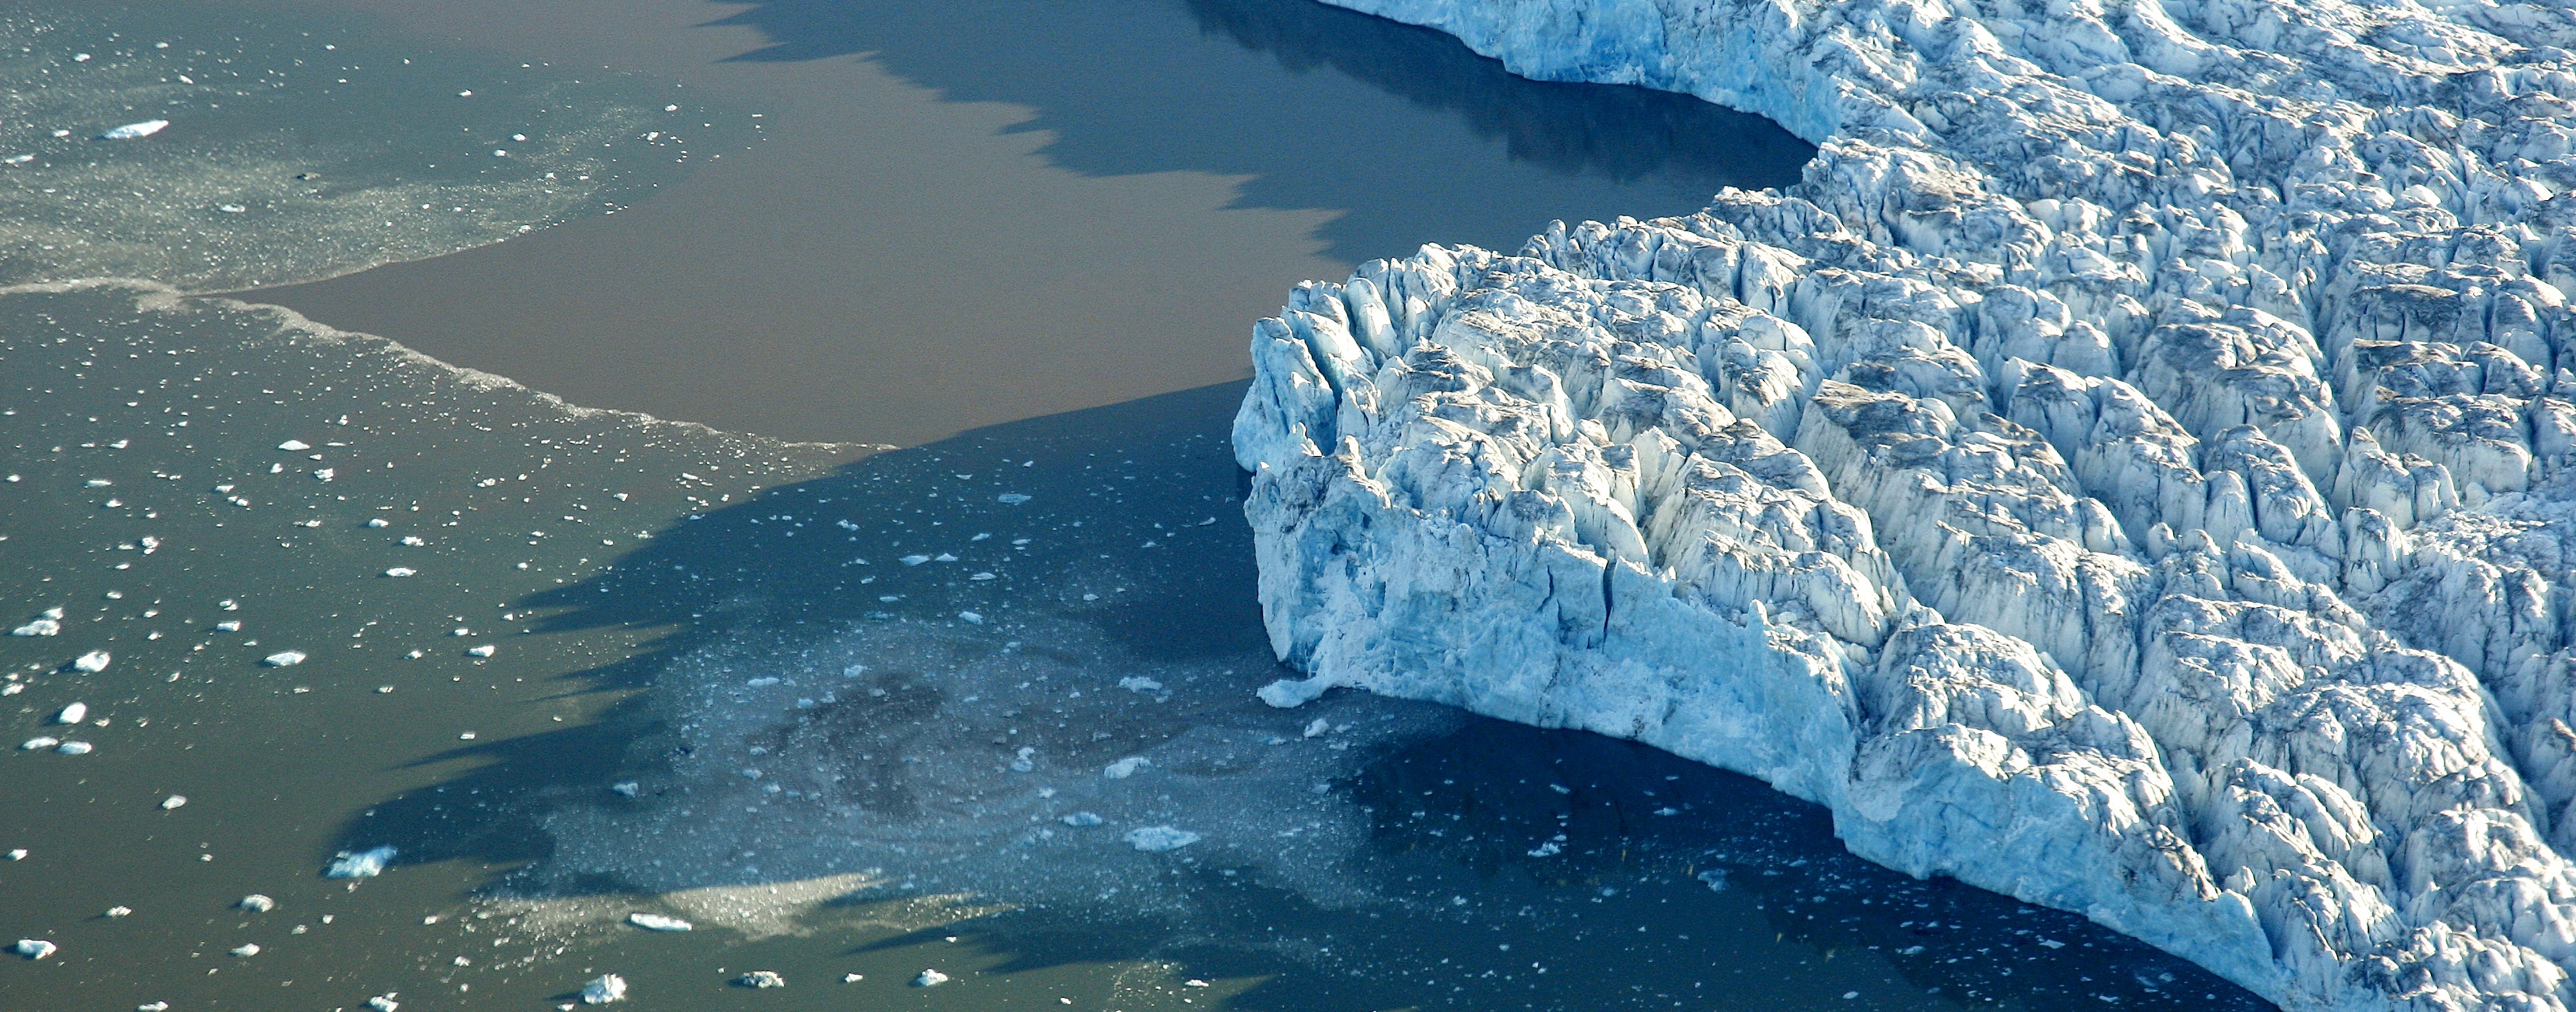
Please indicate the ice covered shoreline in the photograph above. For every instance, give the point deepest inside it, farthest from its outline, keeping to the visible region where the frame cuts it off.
(2125, 473)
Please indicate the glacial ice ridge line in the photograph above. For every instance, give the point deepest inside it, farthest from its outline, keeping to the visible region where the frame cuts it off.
(2127, 472)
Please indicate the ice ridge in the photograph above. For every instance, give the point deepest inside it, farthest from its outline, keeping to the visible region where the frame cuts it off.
(2127, 472)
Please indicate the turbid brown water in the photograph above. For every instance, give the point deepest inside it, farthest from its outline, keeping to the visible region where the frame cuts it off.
(955, 706)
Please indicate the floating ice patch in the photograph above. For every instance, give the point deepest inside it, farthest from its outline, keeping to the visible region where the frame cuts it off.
(257, 904)
(626, 788)
(482, 650)
(657, 922)
(762, 979)
(174, 801)
(228, 625)
(1140, 683)
(1715, 878)
(39, 742)
(360, 864)
(35, 948)
(972, 618)
(1010, 498)
(295, 446)
(1081, 819)
(928, 978)
(92, 662)
(384, 1002)
(605, 988)
(914, 560)
(1124, 768)
(73, 748)
(73, 714)
(1157, 839)
(131, 131)
(283, 659)
(246, 950)
(48, 624)
(402, 571)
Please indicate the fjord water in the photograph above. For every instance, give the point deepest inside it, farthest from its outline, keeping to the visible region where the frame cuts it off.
(877, 711)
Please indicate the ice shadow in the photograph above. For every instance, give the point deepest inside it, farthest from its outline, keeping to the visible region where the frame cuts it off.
(1416, 136)
(1564, 842)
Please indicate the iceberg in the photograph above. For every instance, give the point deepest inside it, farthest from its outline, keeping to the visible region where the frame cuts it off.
(2127, 472)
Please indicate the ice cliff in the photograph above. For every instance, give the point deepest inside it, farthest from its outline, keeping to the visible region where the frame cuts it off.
(2128, 472)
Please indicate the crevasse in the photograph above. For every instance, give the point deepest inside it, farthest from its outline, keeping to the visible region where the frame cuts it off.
(2127, 472)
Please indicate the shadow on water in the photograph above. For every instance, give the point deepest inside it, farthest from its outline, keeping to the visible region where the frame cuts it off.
(1126, 87)
(1635, 879)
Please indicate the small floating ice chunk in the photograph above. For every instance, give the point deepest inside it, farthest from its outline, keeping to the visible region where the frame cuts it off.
(605, 988)
(853, 978)
(1010, 498)
(1124, 768)
(92, 662)
(40, 742)
(158, 1006)
(246, 949)
(657, 922)
(174, 801)
(35, 948)
(928, 978)
(295, 446)
(1715, 878)
(73, 748)
(119, 911)
(483, 650)
(1157, 839)
(228, 625)
(283, 659)
(972, 618)
(19, 854)
(945, 557)
(131, 131)
(257, 904)
(1139, 683)
(97, 483)
(760, 979)
(1081, 819)
(384, 1002)
(73, 714)
(914, 560)
(402, 571)
(361, 864)
(1320, 726)
(48, 624)
(379, 522)
(324, 474)
(627, 788)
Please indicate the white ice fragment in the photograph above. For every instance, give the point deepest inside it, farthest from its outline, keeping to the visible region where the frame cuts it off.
(481, 650)
(914, 560)
(73, 714)
(19, 854)
(154, 1006)
(173, 801)
(13, 688)
(1081, 819)
(295, 446)
(92, 662)
(384, 1002)
(762, 979)
(257, 903)
(945, 557)
(626, 788)
(283, 659)
(39, 627)
(1011, 498)
(1124, 768)
(657, 922)
(762, 682)
(74, 748)
(324, 474)
(853, 978)
(359, 864)
(246, 949)
(1714, 878)
(401, 571)
(605, 988)
(1140, 683)
(228, 625)
(1157, 839)
(1319, 726)
(930, 978)
(119, 911)
(131, 131)
(379, 522)
(35, 948)
(97, 483)
(972, 618)
(39, 743)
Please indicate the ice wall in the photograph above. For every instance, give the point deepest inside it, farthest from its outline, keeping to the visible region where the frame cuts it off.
(2126, 473)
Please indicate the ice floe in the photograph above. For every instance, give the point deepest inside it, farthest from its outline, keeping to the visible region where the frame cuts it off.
(359, 864)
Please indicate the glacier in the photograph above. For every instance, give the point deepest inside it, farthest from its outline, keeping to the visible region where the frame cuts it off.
(2126, 472)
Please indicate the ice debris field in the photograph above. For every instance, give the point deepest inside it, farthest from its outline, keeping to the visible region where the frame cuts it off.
(2125, 473)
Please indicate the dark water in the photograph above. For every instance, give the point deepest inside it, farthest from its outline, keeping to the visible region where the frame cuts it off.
(872, 712)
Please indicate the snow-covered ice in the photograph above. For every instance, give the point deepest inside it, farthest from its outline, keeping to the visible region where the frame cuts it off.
(605, 988)
(657, 922)
(762, 979)
(283, 659)
(1157, 839)
(131, 131)
(257, 903)
(2126, 472)
(35, 948)
(72, 714)
(930, 978)
(359, 864)
(92, 662)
